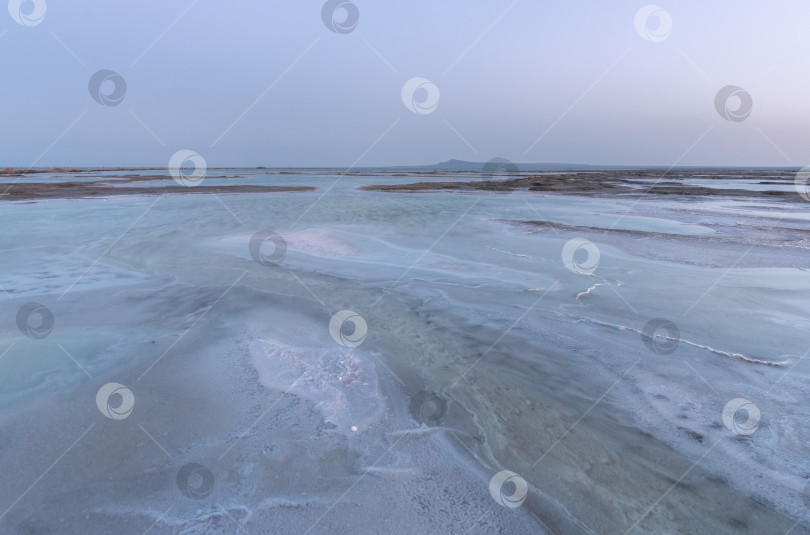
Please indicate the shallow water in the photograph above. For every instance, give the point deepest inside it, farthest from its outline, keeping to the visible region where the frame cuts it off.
(528, 366)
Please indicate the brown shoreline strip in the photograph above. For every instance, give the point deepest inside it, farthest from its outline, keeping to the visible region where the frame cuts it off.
(78, 190)
(626, 183)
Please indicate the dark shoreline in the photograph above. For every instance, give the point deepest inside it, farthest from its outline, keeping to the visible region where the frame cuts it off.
(624, 182)
(22, 191)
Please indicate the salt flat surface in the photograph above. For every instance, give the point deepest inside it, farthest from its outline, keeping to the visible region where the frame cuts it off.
(542, 370)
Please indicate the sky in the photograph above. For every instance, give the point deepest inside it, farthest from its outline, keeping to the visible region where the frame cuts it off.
(298, 83)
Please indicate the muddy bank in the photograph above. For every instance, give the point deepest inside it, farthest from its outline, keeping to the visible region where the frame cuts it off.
(71, 190)
(613, 182)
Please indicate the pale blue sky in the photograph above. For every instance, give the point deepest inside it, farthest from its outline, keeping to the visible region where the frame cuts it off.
(577, 71)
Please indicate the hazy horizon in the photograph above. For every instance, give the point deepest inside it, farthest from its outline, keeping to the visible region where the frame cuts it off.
(269, 85)
(526, 166)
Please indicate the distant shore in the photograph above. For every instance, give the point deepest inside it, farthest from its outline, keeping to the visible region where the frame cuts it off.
(84, 183)
(16, 191)
(613, 182)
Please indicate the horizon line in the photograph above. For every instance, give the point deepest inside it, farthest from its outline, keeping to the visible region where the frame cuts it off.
(560, 165)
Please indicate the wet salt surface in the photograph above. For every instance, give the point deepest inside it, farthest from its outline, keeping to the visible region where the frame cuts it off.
(232, 364)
